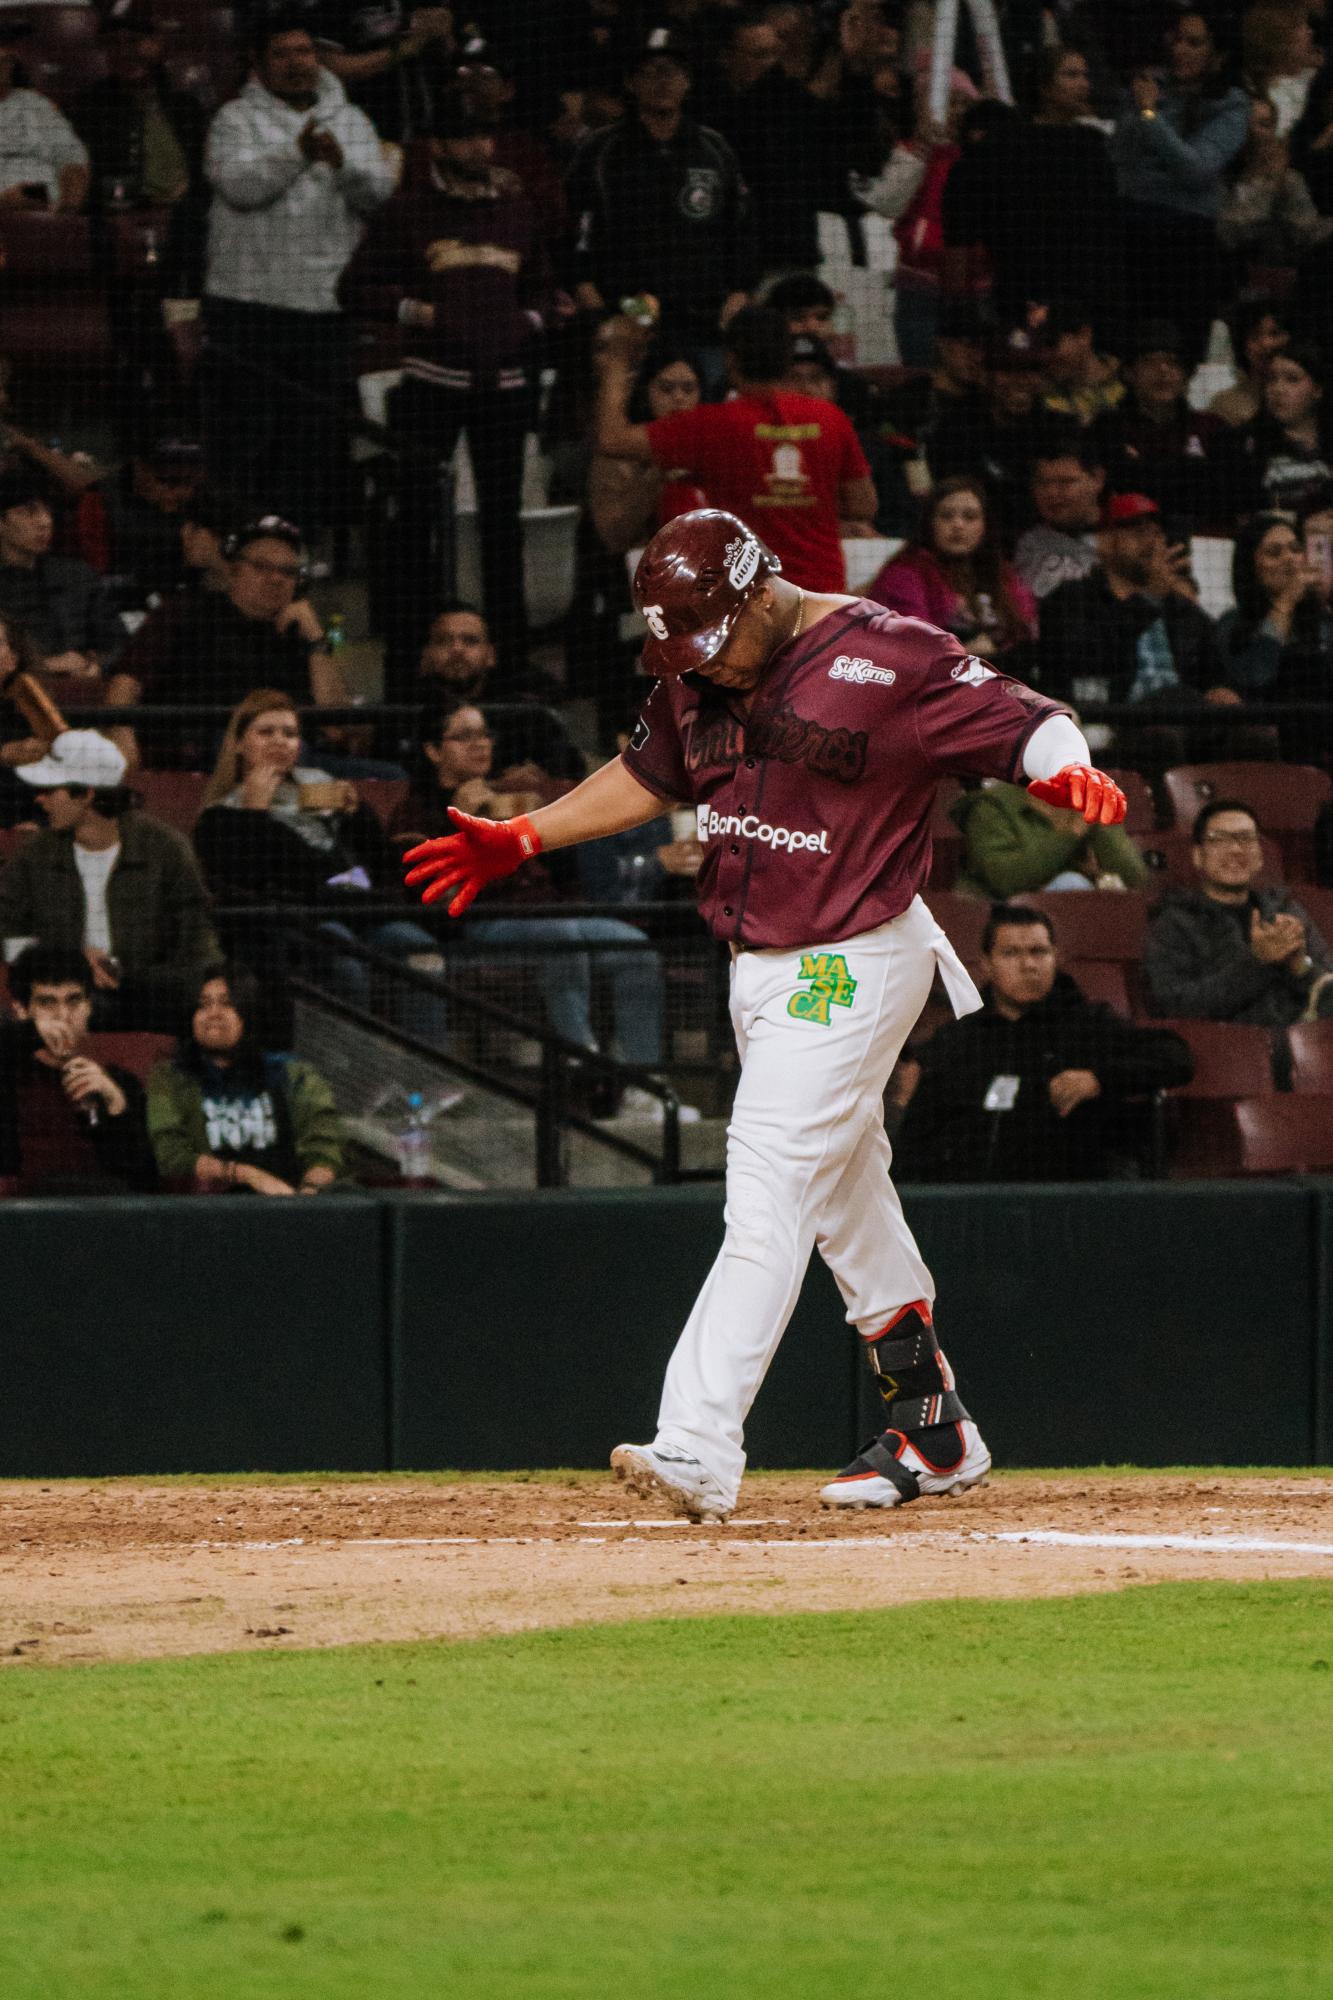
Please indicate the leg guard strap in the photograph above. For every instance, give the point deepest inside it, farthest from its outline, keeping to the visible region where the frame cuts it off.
(916, 1413)
(877, 1458)
(912, 1375)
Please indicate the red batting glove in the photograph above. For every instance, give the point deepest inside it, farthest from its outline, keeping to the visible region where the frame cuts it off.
(480, 852)
(1090, 792)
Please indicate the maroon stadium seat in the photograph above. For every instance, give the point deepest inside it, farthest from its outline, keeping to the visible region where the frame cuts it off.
(53, 309)
(175, 797)
(1101, 980)
(1318, 906)
(1285, 799)
(1284, 1135)
(1101, 923)
(138, 1053)
(382, 795)
(1142, 814)
(1231, 1058)
(961, 918)
(1311, 1045)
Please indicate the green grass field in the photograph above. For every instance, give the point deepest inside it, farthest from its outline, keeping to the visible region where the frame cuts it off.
(1126, 1797)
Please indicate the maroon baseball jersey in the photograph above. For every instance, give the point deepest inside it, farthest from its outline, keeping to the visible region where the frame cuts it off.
(814, 809)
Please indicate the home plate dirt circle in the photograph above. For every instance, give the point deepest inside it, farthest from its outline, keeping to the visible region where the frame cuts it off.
(124, 1570)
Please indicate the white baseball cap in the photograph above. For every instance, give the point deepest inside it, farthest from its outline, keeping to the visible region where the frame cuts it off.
(77, 757)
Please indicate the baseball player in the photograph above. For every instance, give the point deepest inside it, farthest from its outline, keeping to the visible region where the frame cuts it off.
(809, 732)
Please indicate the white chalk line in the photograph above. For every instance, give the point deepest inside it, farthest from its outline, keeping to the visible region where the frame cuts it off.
(1204, 1544)
(1222, 1544)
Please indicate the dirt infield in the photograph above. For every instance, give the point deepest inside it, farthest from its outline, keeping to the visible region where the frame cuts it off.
(127, 1570)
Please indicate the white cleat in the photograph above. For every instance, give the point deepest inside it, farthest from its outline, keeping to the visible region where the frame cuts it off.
(890, 1472)
(688, 1487)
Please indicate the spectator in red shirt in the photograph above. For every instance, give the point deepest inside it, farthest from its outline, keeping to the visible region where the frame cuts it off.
(954, 576)
(789, 466)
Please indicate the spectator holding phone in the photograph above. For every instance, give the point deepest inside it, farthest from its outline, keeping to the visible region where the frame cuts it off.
(68, 1124)
(225, 1115)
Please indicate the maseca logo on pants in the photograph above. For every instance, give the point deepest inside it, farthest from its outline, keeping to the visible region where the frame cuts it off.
(711, 822)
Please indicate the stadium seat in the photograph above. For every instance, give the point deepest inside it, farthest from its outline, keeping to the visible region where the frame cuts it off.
(1095, 924)
(1285, 799)
(53, 309)
(45, 247)
(962, 919)
(1288, 1135)
(1231, 1058)
(382, 795)
(138, 1053)
(1142, 814)
(1311, 1047)
(1318, 905)
(1102, 981)
(175, 797)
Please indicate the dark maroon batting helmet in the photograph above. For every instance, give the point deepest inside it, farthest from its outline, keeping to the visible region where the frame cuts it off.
(693, 579)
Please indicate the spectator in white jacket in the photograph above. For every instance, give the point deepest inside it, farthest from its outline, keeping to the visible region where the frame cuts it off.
(295, 171)
(43, 162)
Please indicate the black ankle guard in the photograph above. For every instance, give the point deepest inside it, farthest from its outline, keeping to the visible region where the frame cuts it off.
(910, 1375)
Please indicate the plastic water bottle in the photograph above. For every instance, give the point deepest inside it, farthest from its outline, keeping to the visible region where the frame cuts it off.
(416, 1158)
(335, 633)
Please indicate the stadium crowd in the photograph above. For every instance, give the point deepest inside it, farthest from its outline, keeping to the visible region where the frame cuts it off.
(1033, 344)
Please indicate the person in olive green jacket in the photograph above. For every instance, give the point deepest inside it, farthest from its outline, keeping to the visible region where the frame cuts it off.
(227, 1116)
(106, 880)
(1015, 845)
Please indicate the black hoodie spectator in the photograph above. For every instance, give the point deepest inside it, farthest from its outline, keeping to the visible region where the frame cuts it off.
(955, 1128)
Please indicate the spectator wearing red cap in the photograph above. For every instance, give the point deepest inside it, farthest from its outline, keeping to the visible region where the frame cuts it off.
(1155, 443)
(954, 576)
(789, 466)
(1131, 630)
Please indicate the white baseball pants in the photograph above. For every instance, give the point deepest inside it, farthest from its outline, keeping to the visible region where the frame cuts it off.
(807, 1164)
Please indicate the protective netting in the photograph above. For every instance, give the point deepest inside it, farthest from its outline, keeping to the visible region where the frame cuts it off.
(350, 354)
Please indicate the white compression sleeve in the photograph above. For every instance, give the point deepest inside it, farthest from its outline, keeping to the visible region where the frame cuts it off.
(1053, 744)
